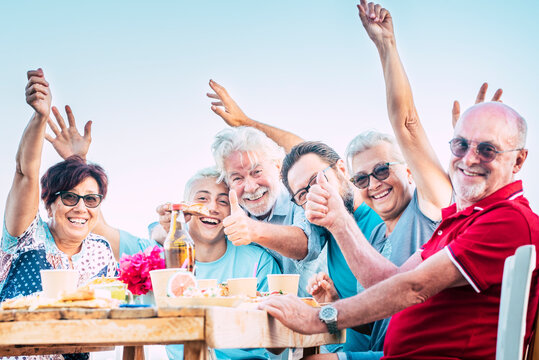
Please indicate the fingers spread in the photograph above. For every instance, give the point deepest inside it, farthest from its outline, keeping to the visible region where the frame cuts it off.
(88, 130)
(59, 118)
(481, 94)
(53, 126)
(497, 95)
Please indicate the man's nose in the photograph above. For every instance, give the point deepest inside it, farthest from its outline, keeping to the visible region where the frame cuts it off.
(471, 157)
(250, 185)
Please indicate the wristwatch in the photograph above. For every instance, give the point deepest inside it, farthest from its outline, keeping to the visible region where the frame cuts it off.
(328, 315)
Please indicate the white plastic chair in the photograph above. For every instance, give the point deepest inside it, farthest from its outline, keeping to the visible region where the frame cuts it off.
(516, 281)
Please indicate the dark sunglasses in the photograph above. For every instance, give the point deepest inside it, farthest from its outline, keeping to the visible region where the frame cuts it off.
(484, 150)
(71, 199)
(300, 197)
(380, 172)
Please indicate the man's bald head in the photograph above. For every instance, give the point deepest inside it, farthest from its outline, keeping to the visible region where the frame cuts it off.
(516, 127)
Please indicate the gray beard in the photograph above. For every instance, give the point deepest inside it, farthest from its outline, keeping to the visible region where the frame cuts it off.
(348, 200)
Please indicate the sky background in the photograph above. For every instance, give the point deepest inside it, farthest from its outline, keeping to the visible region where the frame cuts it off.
(140, 71)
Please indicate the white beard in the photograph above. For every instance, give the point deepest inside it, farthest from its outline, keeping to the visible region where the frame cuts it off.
(262, 208)
(469, 193)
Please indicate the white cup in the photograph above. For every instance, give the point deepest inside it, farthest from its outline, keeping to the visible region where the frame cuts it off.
(242, 286)
(287, 283)
(160, 280)
(56, 281)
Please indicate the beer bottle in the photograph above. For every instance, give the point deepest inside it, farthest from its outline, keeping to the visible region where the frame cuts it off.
(179, 247)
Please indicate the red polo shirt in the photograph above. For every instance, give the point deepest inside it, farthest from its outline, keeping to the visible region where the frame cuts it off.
(462, 322)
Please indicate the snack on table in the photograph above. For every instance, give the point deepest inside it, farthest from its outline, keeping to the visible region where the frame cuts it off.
(108, 286)
(83, 297)
(18, 303)
(179, 282)
(195, 209)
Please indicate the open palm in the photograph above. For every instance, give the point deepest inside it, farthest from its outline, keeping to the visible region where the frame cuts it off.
(67, 140)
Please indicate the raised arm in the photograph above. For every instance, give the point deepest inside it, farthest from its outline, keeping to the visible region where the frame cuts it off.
(433, 185)
(231, 113)
(23, 199)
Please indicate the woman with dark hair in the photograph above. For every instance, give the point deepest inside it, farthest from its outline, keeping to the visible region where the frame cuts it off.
(72, 191)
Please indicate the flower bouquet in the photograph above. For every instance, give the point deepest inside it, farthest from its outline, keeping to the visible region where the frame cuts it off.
(135, 269)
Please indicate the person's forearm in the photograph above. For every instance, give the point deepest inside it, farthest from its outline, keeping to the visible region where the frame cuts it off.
(23, 199)
(430, 177)
(289, 241)
(282, 137)
(367, 264)
(379, 302)
(28, 158)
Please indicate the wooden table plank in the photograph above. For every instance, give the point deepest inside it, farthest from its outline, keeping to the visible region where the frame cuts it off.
(228, 328)
(18, 350)
(180, 311)
(102, 331)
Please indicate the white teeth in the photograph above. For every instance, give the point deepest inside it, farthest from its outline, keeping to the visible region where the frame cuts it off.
(209, 220)
(381, 195)
(78, 221)
(467, 173)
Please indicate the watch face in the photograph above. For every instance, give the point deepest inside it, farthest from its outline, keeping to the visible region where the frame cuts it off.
(328, 313)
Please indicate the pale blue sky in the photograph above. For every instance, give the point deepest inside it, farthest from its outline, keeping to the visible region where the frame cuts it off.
(139, 70)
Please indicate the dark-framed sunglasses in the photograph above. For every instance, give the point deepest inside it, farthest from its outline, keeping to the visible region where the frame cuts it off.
(484, 150)
(300, 197)
(71, 199)
(380, 172)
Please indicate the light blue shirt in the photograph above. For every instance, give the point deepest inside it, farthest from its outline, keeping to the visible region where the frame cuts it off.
(238, 261)
(131, 244)
(285, 212)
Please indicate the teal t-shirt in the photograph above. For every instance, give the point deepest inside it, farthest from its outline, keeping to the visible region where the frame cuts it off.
(339, 271)
(238, 261)
(343, 278)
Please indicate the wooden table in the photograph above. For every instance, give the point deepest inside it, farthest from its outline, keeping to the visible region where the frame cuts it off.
(58, 331)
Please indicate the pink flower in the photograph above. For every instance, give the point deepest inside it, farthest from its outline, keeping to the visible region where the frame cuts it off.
(135, 269)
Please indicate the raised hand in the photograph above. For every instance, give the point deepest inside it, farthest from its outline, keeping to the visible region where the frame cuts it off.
(324, 206)
(377, 21)
(68, 141)
(226, 107)
(479, 99)
(38, 92)
(321, 287)
(238, 226)
(165, 216)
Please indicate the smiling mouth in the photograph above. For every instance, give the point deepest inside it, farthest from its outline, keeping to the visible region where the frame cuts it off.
(381, 195)
(78, 221)
(210, 221)
(254, 198)
(471, 173)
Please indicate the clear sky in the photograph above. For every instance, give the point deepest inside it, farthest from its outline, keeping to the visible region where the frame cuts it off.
(140, 71)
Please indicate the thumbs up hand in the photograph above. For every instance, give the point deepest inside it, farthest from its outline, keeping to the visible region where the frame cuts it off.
(324, 206)
(238, 226)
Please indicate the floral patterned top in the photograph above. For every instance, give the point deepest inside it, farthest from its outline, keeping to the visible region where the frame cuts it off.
(22, 258)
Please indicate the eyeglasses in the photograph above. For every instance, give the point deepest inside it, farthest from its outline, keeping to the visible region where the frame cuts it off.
(71, 199)
(380, 172)
(300, 197)
(484, 150)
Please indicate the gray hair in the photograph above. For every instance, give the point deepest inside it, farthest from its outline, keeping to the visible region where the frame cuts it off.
(243, 139)
(206, 173)
(367, 140)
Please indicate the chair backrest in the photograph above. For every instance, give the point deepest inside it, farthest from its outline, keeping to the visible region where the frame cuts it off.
(516, 281)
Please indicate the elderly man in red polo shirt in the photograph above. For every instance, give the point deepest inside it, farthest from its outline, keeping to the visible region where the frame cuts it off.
(445, 298)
